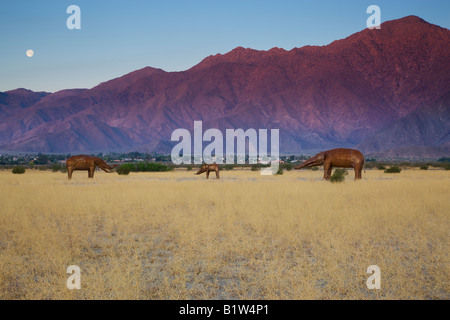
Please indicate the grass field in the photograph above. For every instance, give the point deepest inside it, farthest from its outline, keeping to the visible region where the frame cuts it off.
(178, 236)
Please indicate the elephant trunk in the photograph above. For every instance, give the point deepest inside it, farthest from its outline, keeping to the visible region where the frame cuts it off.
(107, 168)
(313, 162)
(200, 171)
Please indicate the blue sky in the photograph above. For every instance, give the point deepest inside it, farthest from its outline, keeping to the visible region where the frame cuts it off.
(119, 36)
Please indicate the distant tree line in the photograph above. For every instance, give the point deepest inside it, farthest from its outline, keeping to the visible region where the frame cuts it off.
(125, 169)
(55, 162)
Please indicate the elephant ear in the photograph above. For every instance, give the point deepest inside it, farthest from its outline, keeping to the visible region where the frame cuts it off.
(324, 157)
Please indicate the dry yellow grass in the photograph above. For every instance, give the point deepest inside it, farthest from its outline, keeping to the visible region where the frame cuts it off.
(246, 236)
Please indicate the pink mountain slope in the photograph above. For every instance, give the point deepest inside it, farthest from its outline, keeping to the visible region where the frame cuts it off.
(358, 91)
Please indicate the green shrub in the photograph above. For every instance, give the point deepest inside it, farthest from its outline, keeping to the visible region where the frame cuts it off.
(369, 165)
(128, 166)
(228, 167)
(189, 168)
(393, 169)
(424, 167)
(124, 170)
(338, 175)
(57, 167)
(288, 166)
(315, 168)
(18, 170)
(447, 167)
(280, 171)
(156, 167)
(381, 167)
(144, 167)
(258, 166)
(141, 167)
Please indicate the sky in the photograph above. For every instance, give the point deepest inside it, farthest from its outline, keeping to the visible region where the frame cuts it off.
(120, 36)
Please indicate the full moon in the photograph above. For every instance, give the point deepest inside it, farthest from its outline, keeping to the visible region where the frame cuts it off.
(30, 53)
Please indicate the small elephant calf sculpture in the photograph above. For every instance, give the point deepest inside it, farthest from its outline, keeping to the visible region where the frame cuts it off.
(208, 168)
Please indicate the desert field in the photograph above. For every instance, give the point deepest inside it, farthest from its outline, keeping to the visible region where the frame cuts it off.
(174, 235)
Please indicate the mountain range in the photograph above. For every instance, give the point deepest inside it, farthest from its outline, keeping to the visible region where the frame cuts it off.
(385, 92)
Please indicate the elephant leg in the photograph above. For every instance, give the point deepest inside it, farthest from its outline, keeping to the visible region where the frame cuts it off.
(327, 171)
(207, 174)
(69, 172)
(357, 168)
(330, 169)
(217, 174)
(327, 167)
(358, 173)
(91, 172)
